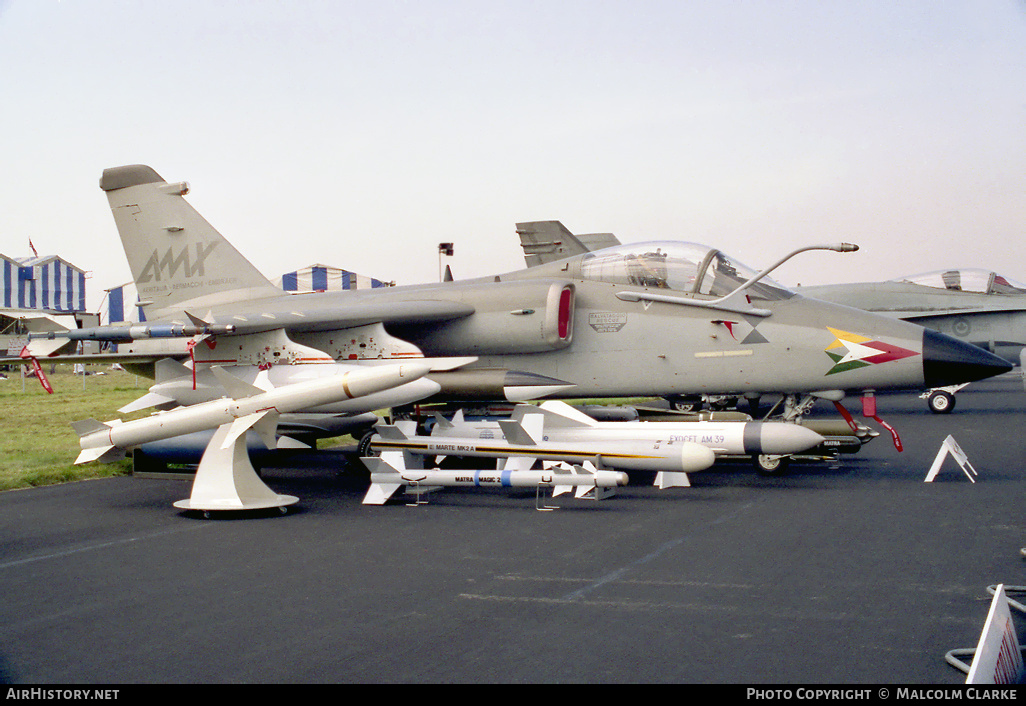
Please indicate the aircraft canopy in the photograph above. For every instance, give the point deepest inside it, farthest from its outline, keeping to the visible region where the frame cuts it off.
(682, 267)
(967, 280)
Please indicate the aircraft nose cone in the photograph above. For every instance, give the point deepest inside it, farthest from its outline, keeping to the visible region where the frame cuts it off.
(948, 361)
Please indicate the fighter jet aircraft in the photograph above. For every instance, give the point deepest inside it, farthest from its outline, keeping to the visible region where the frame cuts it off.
(653, 318)
(973, 305)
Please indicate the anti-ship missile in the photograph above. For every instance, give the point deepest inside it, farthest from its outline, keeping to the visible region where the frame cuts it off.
(387, 478)
(521, 443)
(562, 423)
(247, 407)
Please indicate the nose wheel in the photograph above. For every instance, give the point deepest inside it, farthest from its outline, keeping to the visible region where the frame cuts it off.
(940, 402)
(770, 465)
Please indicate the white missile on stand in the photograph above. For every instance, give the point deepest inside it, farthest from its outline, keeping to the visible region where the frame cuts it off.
(388, 475)
(248, 407)
(225, 479)
(177, 384)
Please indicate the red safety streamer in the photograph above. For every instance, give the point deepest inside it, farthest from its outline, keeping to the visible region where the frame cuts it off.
(892, 430)
(847, 416)
(869, 410)
(190, 346)
(38, 370)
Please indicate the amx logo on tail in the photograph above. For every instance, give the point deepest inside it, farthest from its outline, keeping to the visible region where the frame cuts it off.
(850, 351)
(169, 264)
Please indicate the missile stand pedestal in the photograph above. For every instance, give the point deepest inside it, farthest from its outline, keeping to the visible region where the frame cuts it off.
(226, 480)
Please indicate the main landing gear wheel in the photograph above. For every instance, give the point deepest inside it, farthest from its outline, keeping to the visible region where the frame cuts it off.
(363, 447)
(680, 403)
(941, 402)
(770, 465)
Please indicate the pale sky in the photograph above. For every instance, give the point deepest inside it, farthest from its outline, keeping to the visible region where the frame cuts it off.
(362, 134)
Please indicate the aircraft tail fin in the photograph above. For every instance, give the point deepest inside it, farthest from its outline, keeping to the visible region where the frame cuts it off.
(177, 258)
(548, 241)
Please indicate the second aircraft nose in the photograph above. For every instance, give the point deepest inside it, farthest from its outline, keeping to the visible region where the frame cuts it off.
(948, 361)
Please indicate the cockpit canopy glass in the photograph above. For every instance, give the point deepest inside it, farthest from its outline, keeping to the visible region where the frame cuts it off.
(967, 280)
(682, 267)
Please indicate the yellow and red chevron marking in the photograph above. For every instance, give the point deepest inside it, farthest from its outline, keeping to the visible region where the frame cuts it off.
(850, 351)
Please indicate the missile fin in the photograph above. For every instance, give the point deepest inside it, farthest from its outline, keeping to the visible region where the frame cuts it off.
(266, 426)
(44, 347)
(237, 388)
(263, 423)
(390, 431)
(557, 411)
(534, 425)
(167, 369)
(382, 487)
(583, 490)
(150, 399)
(525, 432)
(379, 493)
(518, 463)
(103, 454)
(287, 442)
(376, 464)
(441, 422)
(88, 426)
(197, 321)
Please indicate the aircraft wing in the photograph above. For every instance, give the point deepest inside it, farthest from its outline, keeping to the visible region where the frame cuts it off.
(278, 314)
(916, 315)
(95, 358)
(332, 316)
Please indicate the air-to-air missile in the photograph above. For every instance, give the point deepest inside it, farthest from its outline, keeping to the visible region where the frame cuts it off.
(246, 407)
(386, 478)
(177, 384)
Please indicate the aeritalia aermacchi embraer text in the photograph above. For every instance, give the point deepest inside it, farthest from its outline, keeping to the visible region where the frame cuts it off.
(651, 318)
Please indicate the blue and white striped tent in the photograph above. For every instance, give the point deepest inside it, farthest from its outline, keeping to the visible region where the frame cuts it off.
(121, 305)
(320, 278)
(121, 300)
(47, 283)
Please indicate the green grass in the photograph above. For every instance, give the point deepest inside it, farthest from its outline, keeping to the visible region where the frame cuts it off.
(37, 444)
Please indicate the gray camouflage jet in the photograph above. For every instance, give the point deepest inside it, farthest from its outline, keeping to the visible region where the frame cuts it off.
(655, 318)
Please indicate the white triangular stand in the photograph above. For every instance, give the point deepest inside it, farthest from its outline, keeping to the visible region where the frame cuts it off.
(226, 480)
(951, 446)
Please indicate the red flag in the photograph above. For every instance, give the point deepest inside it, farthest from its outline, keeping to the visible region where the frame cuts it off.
(33, 248)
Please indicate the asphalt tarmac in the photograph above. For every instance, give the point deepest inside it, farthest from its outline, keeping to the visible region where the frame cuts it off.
(851, 573)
